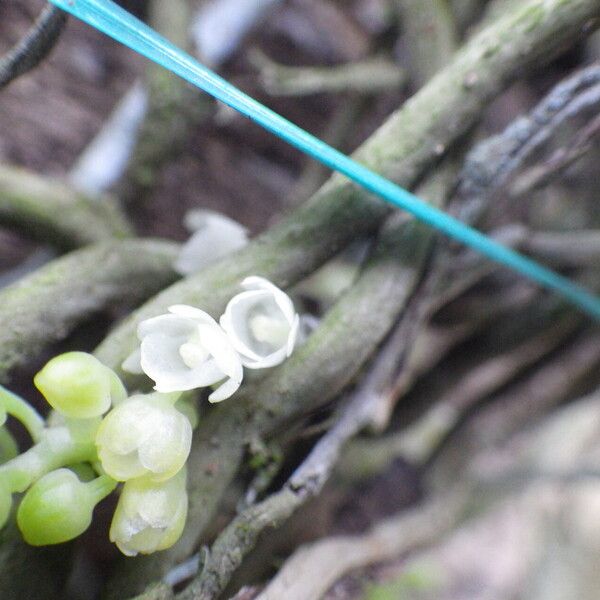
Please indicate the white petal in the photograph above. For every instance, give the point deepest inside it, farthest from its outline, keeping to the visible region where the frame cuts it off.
(216, 236)
(191, 312)
(166, 452)
(133, 363)
(254, 282)
(285, 305)
(162, 362)
(172, 325)
(126, 426)
(266, 362)
(235, 321)
(121, 467)
(160, 355)
(215, 340)
(224, 391)
(293, 335)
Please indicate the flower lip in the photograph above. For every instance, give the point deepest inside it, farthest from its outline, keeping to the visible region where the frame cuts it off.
(261, 323)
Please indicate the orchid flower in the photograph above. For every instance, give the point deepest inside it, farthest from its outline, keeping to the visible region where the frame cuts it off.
(261, 323)
(185, 350)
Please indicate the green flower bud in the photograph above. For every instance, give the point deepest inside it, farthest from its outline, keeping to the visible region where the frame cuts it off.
(79, 386)
(150, 516)
(59, 507)
(145, 436)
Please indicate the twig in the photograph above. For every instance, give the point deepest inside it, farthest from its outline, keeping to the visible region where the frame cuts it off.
(570, 248)
(516, 407)
(368, 77)
(45, 306)
(562, 158)
(34, 46)
(490, 163)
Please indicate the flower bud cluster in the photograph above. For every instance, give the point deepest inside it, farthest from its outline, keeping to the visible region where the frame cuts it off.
(98, 437)
(187, 349)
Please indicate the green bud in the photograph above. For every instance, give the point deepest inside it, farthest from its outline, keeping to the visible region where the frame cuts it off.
(150, 516)
(79, 386)
(59, 507)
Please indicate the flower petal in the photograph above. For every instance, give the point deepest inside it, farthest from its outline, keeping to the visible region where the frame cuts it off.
(133, 363)
(224, 391)
(165, 453)
(216, 236)
(172, 325)
(191, 312)
(215, 340)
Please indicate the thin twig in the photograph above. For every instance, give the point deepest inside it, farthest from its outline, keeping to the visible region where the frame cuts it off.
(34, 46)
(492, 162)
(562, 158)
(368, 77)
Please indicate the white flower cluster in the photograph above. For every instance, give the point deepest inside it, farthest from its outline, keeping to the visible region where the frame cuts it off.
(187, 349)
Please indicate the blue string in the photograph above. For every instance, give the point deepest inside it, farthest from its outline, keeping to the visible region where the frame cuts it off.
(117, 23)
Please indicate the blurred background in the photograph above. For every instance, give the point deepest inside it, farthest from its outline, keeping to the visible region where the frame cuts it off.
(503, 391)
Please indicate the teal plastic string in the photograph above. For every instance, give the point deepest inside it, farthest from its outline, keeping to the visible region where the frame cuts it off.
(117, 23)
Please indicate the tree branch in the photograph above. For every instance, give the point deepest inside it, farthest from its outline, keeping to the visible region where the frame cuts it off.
(45, 306)
(53, 212)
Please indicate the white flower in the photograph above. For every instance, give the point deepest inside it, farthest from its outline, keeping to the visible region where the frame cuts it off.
(215, 236)
(144, 436)
(261, 323)
(150, 516)
(186, 350)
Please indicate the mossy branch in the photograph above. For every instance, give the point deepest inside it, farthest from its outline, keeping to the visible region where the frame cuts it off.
(44, 306)
(50, 211)
(430, 36)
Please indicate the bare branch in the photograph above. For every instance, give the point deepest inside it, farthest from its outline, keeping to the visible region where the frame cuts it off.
(34, 46)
